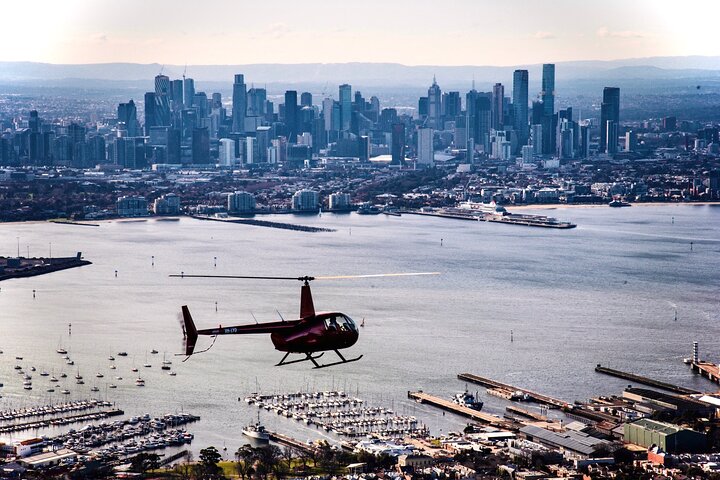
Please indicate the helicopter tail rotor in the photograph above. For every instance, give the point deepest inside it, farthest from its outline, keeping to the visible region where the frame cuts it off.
(190, 334)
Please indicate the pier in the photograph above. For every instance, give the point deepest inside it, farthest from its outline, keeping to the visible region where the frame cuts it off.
(508, 218)
(709, 370)
(526, 413)
(452, 407)
(290, 442)
(489, 383)
(646, 381)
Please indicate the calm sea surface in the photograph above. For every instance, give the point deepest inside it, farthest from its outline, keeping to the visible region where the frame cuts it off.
(605, 292)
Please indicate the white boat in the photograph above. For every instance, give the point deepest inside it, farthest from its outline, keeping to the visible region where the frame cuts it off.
(99, 375)
(65, 392)
(172, 374)
(468, 400)
(140, 382)
(111, 358)
(112, 385)
(94, 389)
(256, 431)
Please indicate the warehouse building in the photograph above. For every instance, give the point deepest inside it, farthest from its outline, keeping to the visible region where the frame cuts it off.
(670, 438)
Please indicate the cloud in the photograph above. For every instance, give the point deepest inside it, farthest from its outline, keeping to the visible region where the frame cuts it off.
(540, 35)
(604, 32)
(277, 30)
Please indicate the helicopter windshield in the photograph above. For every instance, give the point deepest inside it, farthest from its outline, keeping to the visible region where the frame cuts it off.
(340, 323)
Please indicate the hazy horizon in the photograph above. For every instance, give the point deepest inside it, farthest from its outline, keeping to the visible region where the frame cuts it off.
(413, 33)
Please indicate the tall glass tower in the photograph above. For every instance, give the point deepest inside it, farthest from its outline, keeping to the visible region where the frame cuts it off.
(520, 106)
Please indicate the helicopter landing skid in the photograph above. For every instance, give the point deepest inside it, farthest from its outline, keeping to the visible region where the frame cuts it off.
(342, 360)
(308, 356)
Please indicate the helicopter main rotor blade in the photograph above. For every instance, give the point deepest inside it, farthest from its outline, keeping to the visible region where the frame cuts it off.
(307, 279)
(376, 275)
(184, 275)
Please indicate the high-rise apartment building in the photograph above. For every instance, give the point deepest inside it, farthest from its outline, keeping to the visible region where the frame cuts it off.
(520, 106)
(609, 120)
(497, 112)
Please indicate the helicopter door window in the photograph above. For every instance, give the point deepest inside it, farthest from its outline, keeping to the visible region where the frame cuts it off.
(331, 323)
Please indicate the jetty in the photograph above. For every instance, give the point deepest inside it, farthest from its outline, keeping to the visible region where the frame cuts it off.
(452, 407)
(537, 397)
(646, 381)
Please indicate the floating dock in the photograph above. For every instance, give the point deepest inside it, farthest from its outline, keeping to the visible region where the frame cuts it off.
(645, 380)
(452, 407)
(489, 383)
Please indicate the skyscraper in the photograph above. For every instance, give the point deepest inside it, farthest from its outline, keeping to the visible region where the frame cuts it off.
(291, 115)
(434, 106)
(239, 108)
(609, 120)
(127, 115)
(150, 112)
(398, 144)
(162, 85)
(498, 97)
(520, 106)
(548, 88)
(162, 100)
(345, 106)
(425, 149)
(306, 99)
(188, 92)
(176, 94)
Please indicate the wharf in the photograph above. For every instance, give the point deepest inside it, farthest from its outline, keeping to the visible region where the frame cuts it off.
(21, 267)
(489, 383)
(645, 381)
(290, 442)
(526, 413)
(510, 218)
(460, 410)
(709, 370)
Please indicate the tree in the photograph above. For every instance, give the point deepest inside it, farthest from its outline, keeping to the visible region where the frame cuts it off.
(143, 462)
(245, 457)
(209, 459)
(268, 458)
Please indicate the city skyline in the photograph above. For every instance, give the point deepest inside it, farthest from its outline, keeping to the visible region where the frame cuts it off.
(413, 33)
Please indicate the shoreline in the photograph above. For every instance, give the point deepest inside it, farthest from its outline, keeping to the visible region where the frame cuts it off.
(538, 206)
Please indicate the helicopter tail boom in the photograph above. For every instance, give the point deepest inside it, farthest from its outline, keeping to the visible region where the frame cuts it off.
(190, 333)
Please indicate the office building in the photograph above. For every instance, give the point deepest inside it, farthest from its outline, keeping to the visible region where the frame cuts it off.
(434, 106)
(345, 106)
(127, 116)
(291, 116)
(239, 105)
(226, 152)
(201, 146)
(397, 148)
(188, 92)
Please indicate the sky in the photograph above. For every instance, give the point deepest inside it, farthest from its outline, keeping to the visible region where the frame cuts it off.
(411, 32)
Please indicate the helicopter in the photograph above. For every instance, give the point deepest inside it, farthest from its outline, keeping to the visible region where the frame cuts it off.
(311, 335)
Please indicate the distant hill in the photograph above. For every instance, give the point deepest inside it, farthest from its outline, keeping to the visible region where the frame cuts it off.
(369, 74)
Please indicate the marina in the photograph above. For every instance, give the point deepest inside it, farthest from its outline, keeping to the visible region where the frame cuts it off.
(338, 413)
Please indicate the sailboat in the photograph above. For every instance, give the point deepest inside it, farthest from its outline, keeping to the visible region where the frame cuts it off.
(165, 363)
